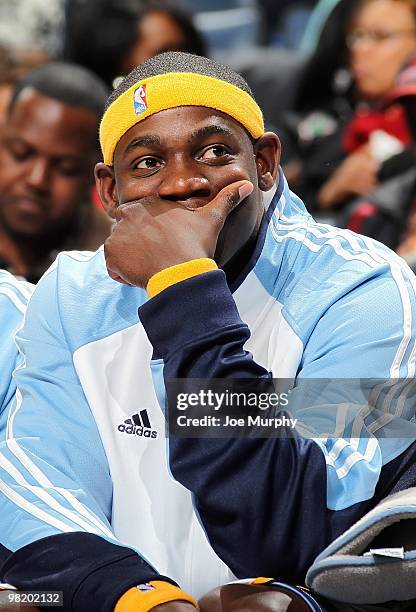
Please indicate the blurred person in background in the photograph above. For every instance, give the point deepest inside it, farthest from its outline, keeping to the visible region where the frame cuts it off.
(112, 37)
(48, 148)
(381, 39)
(333, 140)
(389, 212)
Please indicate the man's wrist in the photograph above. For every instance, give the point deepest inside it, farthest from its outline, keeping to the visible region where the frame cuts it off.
(145, 597)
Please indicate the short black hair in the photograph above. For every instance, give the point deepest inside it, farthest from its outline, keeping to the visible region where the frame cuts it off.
(67, 83)
(176, 61)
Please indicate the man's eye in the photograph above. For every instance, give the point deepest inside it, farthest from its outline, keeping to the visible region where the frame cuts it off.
(148, 163)
(214, 152)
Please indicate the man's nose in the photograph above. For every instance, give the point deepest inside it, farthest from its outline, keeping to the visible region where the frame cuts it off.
(183, 182)
(37, 175)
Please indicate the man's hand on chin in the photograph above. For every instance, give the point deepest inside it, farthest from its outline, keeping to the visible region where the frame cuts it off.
(151, 234)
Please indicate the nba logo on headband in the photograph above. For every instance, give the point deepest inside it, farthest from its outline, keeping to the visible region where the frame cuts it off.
(140, 102)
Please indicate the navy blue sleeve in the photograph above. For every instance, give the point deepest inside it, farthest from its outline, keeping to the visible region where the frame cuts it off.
(262, 501)
(92, 572)
(257, 498)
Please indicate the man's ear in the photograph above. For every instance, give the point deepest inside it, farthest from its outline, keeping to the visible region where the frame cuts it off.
(106, 187)
(267, 152)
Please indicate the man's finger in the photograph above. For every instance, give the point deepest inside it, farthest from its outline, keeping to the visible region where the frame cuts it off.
(228, 198)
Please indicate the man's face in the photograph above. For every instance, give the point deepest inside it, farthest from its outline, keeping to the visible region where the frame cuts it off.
(187, 155)
(47, 154)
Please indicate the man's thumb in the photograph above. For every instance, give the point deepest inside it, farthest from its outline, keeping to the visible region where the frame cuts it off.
(229, 197)
(245, 189)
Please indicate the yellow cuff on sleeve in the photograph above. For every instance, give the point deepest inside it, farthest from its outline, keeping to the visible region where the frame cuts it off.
(175, 274)
(261, 580)
(144, 597)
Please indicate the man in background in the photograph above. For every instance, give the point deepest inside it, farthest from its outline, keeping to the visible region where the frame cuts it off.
(48, 148)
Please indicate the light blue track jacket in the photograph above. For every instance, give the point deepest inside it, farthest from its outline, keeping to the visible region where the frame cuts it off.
(95, 497)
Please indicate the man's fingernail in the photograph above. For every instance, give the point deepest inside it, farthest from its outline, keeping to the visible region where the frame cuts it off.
(245, 190)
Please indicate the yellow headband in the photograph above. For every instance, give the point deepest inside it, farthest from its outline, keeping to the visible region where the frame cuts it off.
(163, 91)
